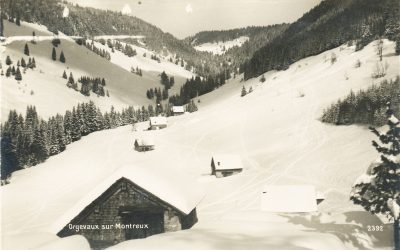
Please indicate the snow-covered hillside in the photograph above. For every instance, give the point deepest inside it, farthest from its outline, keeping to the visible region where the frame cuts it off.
(276, 131)
(219, 48)
(45, 88)
(143, 60)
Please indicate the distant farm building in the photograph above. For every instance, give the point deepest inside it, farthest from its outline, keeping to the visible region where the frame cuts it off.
(178, 110)
(144, 144)
(119, 209)
(290, 199)
(140, 126)
(226, 165)
(158, 122)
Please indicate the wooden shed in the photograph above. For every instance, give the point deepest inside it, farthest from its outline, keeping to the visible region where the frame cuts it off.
(178, 110)
(290, 198)
(226, 165)
(158, 122)
(144, 144)
(119, 209)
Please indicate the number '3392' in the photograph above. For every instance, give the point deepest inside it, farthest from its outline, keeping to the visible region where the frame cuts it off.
(374, 228)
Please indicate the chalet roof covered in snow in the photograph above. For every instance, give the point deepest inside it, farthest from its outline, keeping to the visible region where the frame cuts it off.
(289, 198)
(227, 161)
(174, 192)
(158, 120)
(145, 141)
(178, 109)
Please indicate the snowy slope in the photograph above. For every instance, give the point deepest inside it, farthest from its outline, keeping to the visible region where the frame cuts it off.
(275, 130)
(50, 94)
(219, 48)
(44, 87)
(145, 62)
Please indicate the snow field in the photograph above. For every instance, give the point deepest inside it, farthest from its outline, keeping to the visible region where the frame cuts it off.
(276, 132)
(144, 63)
(219, 48)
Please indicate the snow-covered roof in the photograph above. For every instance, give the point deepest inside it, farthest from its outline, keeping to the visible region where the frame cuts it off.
(158, 120)
(178, 109)
(145, 141)
(227, 161)
(183, 194)
(289, 198)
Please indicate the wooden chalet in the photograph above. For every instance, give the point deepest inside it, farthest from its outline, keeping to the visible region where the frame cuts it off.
(158, 122)
(178, 110)
(120, 209)
(226, 165)
(144, 144)
(290, 198)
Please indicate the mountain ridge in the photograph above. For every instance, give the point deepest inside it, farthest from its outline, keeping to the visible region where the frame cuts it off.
(328, 25)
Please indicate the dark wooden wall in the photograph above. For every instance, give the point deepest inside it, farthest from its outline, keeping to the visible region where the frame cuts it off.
(115, 206)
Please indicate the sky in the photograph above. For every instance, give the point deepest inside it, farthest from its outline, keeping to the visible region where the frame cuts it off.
(183, 18)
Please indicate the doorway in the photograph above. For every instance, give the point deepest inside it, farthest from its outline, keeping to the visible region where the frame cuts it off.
(145, 224)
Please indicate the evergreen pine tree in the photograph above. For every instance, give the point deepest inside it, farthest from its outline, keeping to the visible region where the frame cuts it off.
(65, 75)
(18, 19)
(76, 125)
(33, 62)
(54, 54)
(71, 81)
(151, 94)
(244, 92)
(165, 79)
(8, 72)
(1, 26)
(9, 134)
(62, 57)
(23, 63)
(52, 137)
(82, 116)
(8, 60)
(31, 120)
(68, 127)
(13, 71)
(39, 145)
(378, 191)
(18, 75)
(165, 93)
(191, 107)
(26, 49)
(59, 132)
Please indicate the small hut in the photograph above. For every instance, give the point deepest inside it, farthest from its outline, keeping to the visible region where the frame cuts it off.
(178, 110)
(158, 122)
(144, 144)
(226, 165)
(131, 204)
(290, 198)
